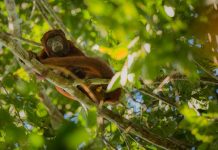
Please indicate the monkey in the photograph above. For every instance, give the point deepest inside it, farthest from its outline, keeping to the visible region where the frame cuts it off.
(58, 51)
(93, 67)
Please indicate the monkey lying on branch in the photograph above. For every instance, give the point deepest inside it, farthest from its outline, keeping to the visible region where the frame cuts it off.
(60, 52)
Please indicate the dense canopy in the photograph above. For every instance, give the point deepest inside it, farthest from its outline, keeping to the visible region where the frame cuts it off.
(164, 55)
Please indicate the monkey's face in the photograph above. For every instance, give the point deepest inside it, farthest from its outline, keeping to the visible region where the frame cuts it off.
(56, 44)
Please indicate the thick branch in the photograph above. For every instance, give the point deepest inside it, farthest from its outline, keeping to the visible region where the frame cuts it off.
(14, 23)
(19, 38)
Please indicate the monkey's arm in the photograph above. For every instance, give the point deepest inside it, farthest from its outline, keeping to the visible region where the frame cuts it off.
(87, 63)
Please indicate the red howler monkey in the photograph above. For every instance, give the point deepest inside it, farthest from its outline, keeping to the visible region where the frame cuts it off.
(58, 51)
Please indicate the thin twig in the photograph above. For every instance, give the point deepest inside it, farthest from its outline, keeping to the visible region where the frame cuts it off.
(33, 10)
(165, 81)
(139, 141)
(56, 18)
(185, 79)
(124, 138)
(44, 14)
(153, 95)
(158, 98)
(24, 40)
(108, 144)
(205, 70)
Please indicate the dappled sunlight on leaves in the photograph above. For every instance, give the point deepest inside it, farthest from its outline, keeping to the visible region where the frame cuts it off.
(22, 74)
(117, 53)
(36, 141)
(198, 125)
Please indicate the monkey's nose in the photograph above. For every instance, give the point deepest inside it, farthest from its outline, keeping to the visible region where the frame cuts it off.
(57, 46)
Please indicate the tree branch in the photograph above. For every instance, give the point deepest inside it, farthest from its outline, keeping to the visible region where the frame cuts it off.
(44, 14)
(14, 22)
(19, 38)
(158, 98)
(205, 70)
(57, 20)
(142, 132)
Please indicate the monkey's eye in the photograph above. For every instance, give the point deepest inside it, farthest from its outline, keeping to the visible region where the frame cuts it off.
(55, 43)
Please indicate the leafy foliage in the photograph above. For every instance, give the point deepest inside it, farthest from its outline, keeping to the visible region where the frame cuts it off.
(164, 54)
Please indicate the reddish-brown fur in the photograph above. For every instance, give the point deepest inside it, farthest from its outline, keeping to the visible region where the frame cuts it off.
(72, 59)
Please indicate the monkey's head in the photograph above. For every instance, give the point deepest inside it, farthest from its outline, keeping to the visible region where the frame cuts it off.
(55, 43)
